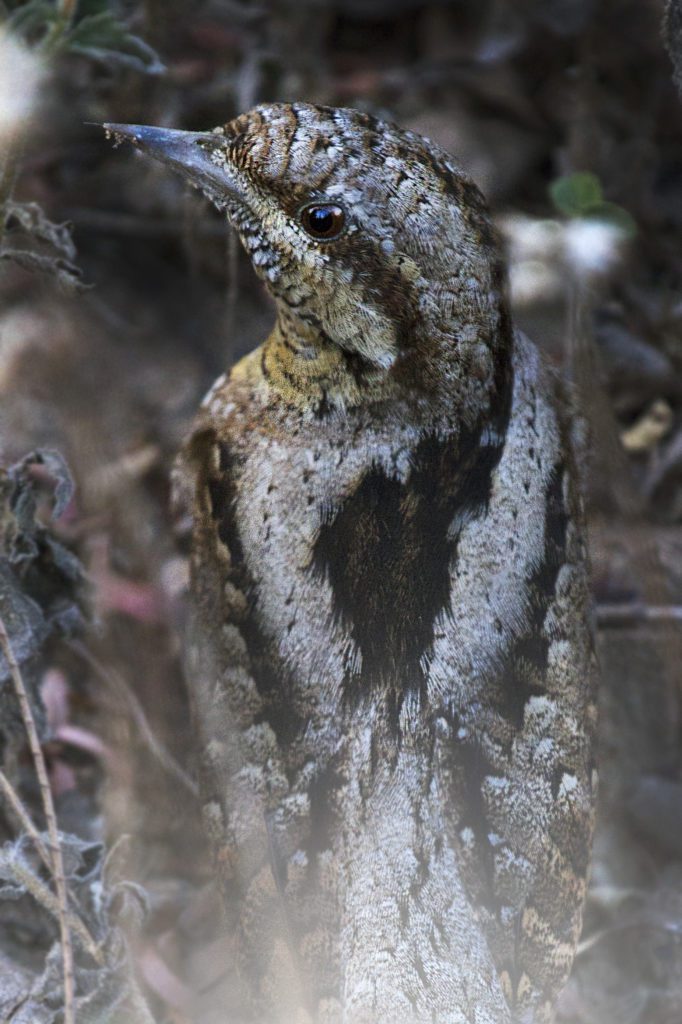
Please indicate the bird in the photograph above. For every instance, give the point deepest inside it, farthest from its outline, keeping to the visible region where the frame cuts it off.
(390, 649)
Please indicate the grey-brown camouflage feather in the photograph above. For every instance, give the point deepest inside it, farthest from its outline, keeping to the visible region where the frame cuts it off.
(390, 653)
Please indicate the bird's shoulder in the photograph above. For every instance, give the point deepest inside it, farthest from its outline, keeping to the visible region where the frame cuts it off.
(234, 414)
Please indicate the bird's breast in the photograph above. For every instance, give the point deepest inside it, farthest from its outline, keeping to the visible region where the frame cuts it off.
(387, 563)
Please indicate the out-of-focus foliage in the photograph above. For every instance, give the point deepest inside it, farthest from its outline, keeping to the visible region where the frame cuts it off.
(102, 36)
(580, 195)
(93, 28)
(34, 242)
(111, 911)
(48, 28)
(42, 580)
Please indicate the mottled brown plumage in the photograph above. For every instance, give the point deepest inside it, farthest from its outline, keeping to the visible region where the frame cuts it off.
(390, 653)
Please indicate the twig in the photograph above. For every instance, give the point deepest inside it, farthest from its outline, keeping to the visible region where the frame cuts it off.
(142, 227)
(232, 260)
(49, 902)
(42, 895)
(118, 684)
(631, 614)
(66, 12)
(241, 14)
(17, 805)
(51, 821)
(586, 944)
(11, 154)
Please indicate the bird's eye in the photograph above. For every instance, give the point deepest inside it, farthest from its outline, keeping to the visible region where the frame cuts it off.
(323, 220)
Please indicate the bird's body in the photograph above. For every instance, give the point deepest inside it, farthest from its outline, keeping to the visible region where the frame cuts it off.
(390, 653)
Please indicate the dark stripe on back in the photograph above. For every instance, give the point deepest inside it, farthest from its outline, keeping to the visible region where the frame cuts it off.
(387, 553)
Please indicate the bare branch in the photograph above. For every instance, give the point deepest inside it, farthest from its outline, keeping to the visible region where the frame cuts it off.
(42, 895)
(17, 805)
(632, 614)
(232, 260)
(49, 902)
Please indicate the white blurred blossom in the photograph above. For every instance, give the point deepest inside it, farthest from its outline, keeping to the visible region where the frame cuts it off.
(592, 246)
(531, 238)
(544, 254)
(530, 280)
(21, 73)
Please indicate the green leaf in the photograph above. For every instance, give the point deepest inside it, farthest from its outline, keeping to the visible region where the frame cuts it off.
(574, 194)
(103, 37)
(97, 29)
(31, 16)
(86, 8)
(611, 213)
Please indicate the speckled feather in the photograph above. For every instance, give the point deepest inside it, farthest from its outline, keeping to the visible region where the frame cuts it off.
(390, 652)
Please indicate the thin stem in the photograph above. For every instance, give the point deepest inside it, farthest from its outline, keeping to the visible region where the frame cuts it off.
(46, 898)
(13, 152)
(17, 805)
(66, 12)
(232, 254)
(119, 685)
(51, 821)
(19, 808)
(67, 9)
(631, 614)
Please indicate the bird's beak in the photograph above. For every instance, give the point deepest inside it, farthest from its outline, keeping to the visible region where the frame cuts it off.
(190, 154)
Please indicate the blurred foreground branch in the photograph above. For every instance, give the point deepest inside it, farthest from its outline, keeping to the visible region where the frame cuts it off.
(56, 860)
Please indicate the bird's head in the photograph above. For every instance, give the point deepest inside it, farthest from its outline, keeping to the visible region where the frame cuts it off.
(370, 238)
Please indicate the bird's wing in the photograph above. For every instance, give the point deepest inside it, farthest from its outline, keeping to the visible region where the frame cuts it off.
(239, 754)
(520, 735)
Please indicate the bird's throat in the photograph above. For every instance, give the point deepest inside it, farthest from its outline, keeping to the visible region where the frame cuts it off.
(308, 370)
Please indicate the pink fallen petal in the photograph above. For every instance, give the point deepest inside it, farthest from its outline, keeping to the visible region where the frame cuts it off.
(140, 601)
(62, 777)
(54, 691)
(115, 593)
(83, 739)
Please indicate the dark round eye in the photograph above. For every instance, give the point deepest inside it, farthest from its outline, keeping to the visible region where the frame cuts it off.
(323, 220)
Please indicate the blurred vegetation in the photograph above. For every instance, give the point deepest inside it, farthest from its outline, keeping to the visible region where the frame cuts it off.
(123, 296)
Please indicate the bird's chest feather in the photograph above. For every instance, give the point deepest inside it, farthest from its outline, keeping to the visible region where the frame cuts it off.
(385, 563)
(346, 536)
